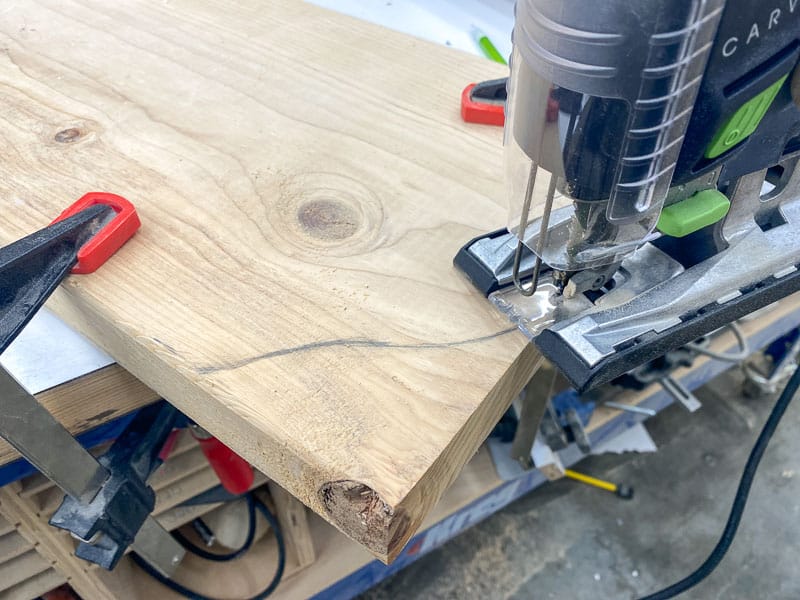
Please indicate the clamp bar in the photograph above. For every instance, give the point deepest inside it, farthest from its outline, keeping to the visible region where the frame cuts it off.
(158, 548)
(111, 521)
(34, 432)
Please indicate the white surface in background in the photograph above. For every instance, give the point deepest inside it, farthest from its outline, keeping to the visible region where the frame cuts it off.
(446, 22)
(634, 439)
(48, 353)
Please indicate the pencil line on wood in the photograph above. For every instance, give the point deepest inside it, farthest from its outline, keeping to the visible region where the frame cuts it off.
(349, 343)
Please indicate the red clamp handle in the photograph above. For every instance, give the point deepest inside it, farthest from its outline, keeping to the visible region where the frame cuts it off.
(480, 112)
(488, 113)
(169, 445)
(235, 473)
(111, 237)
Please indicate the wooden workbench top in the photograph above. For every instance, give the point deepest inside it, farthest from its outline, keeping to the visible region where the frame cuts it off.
(304, 181)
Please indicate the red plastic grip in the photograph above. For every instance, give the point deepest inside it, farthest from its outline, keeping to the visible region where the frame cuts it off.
(111, 237)
(493, 114)
(235, 473)
(480, 112)
(169, 445)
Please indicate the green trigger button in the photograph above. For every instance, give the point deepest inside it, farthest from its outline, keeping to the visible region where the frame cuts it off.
(744, 121)
(690, 215)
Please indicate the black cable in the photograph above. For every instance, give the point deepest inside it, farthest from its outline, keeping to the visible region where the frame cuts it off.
(740, 500)
(186, 592)
(203, 553)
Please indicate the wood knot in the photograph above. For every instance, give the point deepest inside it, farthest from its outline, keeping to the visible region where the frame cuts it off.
(328, 219)
(68, 136)
(71, 133)
(326, 214)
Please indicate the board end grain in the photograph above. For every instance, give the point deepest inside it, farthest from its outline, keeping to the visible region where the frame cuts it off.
(360, 511)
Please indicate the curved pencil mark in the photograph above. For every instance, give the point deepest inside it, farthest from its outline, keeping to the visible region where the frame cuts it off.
(349, 343)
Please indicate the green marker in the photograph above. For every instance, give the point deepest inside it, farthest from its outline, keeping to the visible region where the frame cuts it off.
(486, 45)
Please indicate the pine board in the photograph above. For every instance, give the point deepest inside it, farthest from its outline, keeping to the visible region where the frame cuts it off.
(304, 181)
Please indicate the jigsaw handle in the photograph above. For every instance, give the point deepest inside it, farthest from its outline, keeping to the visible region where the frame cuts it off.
(624, 81)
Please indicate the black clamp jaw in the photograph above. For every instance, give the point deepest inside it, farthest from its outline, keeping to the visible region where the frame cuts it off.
(110, 522)
(32, 268)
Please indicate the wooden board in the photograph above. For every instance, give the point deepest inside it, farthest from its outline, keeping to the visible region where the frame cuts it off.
(304, 181)
(35, 586)
(294, 525)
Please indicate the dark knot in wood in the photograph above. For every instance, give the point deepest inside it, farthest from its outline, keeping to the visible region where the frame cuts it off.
(67, 136)
(328, 219)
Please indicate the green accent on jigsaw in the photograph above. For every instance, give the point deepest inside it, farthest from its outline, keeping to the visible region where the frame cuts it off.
(697, 211)
(744, 121)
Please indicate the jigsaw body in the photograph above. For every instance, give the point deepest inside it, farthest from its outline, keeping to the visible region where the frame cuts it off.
(652, 163)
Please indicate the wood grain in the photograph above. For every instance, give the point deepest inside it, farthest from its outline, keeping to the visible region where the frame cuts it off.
(304, 181)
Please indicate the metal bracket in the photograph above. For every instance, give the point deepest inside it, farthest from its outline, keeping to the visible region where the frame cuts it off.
(770, 384)
(679, 392)
(533, 408)
(540, 433)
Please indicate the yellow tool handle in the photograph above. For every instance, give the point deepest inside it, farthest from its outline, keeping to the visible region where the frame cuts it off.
(605, 485)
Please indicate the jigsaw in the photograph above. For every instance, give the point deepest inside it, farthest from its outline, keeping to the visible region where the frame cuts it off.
(651, 153)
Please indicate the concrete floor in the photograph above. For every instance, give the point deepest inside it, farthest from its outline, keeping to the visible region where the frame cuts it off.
(567, 540)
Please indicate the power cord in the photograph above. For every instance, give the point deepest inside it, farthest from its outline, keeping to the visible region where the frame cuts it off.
(203, 553)
(739, 500)
(187, 593)
(734, 357)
